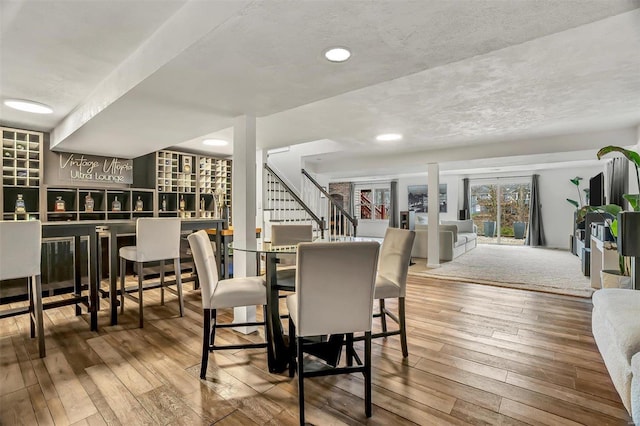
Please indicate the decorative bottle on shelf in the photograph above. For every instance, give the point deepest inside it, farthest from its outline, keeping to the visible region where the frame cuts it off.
(202, 206)
(20, 207)
(88, 203)
(116, 206)
(59, 205)
(182, 204)
(164, 204)
(139, 204)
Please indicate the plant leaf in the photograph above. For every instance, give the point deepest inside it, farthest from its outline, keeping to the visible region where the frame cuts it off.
(631, 155)
(613, 227)
(634, 200)
(576, 180)
(574, 203)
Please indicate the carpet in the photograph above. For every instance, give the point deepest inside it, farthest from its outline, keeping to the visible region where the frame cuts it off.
(530, 268)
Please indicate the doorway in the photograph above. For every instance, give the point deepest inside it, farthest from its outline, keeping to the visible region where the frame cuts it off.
(500, 211)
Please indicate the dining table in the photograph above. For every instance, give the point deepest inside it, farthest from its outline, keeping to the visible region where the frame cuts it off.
(327, 348)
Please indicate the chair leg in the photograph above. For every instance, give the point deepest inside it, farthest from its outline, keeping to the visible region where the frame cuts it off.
(36, 292)
(140, 291)
(292, 348)
(206, 339)
(123, 268)
(32, 310)
(350, 349)
(178, 272)
(383, 316)
(214, 323)
(367, 373)
(403, 327)
(300, 379)
(162, 282)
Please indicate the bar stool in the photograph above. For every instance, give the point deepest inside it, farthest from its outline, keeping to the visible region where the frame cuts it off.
(157, 239)
(20, 256)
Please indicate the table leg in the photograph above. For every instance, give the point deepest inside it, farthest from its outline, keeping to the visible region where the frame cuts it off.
(277, 352)
(113, 275)
(94, 280)
(77, 264)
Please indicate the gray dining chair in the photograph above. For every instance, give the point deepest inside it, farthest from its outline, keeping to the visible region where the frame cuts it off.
(157, 239)
(20, 257)
(220, 294)
(334, 295)
(391, 281)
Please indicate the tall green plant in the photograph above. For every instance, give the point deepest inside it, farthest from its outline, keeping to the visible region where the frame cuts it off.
(576, 181)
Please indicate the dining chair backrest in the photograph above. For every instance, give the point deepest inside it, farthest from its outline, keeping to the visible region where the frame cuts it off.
(20, 248)
(395, 256)
(334, 287)
(157, 239)
(206, 266)
(286, 235)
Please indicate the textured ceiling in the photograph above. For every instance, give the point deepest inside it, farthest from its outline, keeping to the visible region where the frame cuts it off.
(444, 74)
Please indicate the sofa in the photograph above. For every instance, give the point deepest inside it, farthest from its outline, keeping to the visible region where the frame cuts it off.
(616, 330)
(456, 238)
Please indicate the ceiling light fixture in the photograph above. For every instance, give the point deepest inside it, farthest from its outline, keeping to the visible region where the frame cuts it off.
(28, 106)
(337, 54)
(215, 142)
(389, 137)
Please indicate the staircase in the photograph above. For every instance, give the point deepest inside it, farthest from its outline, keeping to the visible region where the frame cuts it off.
(283, 205)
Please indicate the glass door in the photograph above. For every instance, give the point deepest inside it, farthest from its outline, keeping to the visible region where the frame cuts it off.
(514, 212)
(484, 211)
(501, 211)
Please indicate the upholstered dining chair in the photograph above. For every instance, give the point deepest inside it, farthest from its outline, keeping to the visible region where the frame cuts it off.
(289, 235)
(334, 295)
(20, 257)
(229, 293)
(391, 281)
(157, 239)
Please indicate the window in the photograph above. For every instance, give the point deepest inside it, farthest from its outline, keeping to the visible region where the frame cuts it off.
(373, 202)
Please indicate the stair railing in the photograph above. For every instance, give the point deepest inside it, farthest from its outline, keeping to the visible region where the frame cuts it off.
(284, 208)
(340, 221)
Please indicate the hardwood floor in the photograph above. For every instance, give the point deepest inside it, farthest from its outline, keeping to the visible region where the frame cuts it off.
(477, 354)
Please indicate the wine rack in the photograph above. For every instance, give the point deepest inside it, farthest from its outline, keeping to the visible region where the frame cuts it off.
(21, 173)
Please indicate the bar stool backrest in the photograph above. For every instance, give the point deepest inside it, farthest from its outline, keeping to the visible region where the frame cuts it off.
(334, 287)
(285, 235)
(157, 239)
(20, 248)
(206, 265)
(395, 256)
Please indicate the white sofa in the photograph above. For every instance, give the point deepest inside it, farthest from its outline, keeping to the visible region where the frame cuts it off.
(456, 238)
(616, 329)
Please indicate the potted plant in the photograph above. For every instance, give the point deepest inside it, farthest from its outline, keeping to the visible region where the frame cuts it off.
(630, 233)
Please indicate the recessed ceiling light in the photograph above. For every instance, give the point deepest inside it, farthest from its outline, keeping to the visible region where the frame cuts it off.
(28, 106)
(215, 142)
(389, 137)
(337, 54)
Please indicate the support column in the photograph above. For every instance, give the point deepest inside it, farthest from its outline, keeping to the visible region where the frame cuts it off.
(244, 208)
(433, 180)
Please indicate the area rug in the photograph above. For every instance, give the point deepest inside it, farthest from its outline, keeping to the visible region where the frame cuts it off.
(530, 268)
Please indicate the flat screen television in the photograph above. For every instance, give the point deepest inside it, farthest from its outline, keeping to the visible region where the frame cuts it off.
(596, 190)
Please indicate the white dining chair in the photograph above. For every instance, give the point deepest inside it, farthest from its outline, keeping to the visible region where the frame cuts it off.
(391, 281)
(289, 235)
(334, 295)
(220, 294)
(20, 257)
(157, 239)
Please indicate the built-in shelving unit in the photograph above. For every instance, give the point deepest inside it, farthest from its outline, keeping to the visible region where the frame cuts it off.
(188, 185)
(107, 203)
(21, 172)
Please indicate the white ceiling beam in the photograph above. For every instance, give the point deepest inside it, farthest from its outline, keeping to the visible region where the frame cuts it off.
(187, 26)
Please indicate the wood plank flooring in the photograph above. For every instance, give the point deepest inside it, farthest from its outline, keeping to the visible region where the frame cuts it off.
(477, 355)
